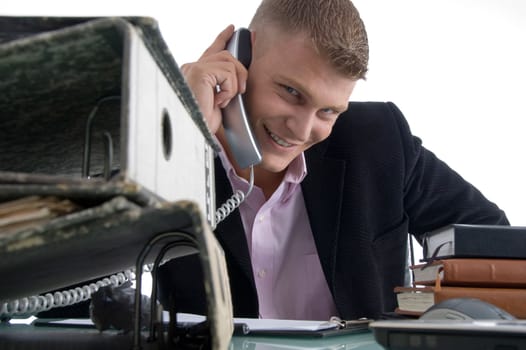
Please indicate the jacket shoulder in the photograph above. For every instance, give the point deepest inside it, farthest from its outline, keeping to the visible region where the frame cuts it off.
(371, 126)
(372, 115)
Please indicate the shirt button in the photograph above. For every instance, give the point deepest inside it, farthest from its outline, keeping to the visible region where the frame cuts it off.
(262, 273)
(261, 217)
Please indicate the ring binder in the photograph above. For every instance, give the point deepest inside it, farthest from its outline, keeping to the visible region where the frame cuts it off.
(142, 197)
(141, 86)
(107, 138)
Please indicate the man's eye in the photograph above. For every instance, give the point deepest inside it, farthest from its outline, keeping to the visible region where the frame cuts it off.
(292, 91)
(328, 111)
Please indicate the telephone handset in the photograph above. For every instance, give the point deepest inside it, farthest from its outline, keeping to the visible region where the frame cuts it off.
(235, 122)
(237, 128)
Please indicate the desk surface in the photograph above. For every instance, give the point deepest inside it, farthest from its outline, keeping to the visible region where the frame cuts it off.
(362, 341)
(24, 337)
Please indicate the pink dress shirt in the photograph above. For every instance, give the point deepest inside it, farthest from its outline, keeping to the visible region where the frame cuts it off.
(287, 271)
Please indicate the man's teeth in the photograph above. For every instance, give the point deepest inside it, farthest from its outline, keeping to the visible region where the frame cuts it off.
(278, 140)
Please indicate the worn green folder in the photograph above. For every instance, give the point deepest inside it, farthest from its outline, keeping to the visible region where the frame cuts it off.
(95, 111)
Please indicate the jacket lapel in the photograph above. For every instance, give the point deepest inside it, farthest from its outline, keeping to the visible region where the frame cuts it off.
(322, 191)
(230, 232)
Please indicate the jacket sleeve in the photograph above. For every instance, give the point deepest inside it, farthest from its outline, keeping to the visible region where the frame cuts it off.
(434, 194)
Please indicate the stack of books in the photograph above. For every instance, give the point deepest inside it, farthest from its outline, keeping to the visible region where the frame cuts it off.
(471, 261)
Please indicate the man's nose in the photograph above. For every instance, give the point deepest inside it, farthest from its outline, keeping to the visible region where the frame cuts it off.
(301, 125)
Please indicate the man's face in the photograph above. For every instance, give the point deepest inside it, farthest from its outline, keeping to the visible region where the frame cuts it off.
(293, 96)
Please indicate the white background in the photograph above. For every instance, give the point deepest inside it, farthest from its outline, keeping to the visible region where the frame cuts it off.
(456, 68)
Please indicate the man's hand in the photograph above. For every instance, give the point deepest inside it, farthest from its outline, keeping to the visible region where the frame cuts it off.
(215, 79)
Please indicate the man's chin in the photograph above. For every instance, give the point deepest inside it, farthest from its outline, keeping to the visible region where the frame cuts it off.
(273, 165)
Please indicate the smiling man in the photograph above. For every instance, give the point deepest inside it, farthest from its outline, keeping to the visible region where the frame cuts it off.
(324, 231)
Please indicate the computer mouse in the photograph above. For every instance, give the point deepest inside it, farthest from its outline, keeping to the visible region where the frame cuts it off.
(465, 309)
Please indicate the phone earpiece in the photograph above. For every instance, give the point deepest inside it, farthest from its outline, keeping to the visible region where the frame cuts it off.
(235, 121)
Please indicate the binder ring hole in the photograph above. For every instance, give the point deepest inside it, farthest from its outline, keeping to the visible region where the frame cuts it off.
(167, 135)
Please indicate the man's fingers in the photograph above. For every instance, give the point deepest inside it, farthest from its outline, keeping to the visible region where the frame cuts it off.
(215, 78)
(218, 77)
(227, 87)
(220, 42)
(216, 52)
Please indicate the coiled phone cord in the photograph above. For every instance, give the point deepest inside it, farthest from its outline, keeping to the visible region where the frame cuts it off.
(25, 307)
(235, 201)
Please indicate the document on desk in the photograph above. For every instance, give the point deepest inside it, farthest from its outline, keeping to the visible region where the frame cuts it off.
(260, 326)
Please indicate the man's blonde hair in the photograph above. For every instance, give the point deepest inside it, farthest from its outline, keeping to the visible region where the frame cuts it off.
(334, 26)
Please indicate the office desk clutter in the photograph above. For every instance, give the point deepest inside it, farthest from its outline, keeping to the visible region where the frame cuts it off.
(491, 268)
(105, 166)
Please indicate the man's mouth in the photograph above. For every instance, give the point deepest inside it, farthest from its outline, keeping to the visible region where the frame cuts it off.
(277, 139)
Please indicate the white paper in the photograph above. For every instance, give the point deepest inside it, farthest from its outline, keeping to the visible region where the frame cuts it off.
(266, 324)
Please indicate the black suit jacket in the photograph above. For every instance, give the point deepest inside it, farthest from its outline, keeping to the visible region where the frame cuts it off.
(368, 185)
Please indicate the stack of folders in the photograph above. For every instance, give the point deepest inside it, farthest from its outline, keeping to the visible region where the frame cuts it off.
(472, 261)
